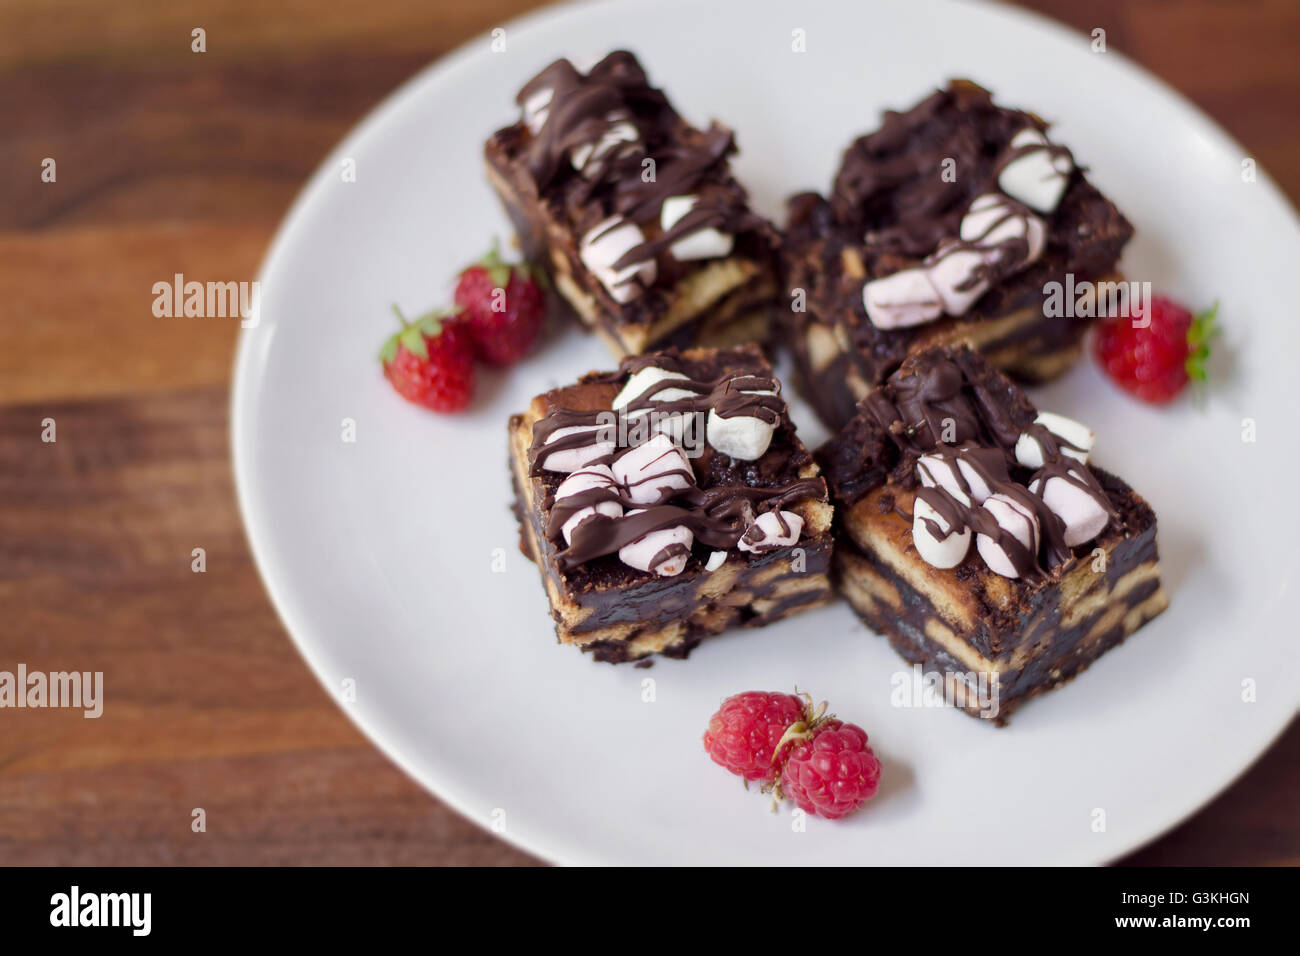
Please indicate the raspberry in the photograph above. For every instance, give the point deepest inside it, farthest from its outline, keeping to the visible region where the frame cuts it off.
(503, 306)
(1155, 359)
(743, 734)
(832, 774)
(431, 362)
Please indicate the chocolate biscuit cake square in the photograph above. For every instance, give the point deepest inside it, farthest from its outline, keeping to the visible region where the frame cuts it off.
(668, 501)
(950, 223)
(634, 212)
(975, 534)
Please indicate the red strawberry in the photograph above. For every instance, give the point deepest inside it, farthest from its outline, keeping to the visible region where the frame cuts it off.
(503, 306)
(431, 361)
(1155, 352)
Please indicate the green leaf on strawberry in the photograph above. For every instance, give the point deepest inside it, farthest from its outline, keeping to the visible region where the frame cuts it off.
(499, 271)
(1203, 329)
(414, 334)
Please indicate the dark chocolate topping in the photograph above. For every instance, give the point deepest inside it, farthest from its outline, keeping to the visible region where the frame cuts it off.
(718, 509)
(891, 208)
(950, 405)
(891, 186)
(580, 111)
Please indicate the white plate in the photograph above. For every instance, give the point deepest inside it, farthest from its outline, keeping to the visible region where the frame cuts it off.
(378, 553)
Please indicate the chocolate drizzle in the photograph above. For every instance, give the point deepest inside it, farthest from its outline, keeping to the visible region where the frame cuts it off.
(891, 186)
(1000, 258)
(582, 109)
(941, 404)
(718, 515)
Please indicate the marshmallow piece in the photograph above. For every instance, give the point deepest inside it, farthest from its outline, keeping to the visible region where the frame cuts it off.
(537, 108)
(1038, 178)
(586, 479)
(1076, 433)
(935, 471)
(571, 459)
(648, 377)
(902, 299)
(945, 552)
(742, 437)
(652, 471)
(641, 552)
(992, 220)
(952, 273)
(1029, 452)
(1011, 516)
(716, 560)
(979, 490)
(771, 534)
(586, 158)
(706, 243)
(1083, 515)
(604, 245)
(674, 425)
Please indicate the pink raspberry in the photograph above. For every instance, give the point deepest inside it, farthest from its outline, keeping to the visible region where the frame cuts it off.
(743, 734)
(832, 774)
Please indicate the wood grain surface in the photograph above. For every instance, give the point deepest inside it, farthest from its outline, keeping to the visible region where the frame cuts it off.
(170, 161)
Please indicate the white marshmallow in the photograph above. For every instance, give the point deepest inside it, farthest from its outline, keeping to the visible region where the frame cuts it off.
(940, 553)
(706, 243)
(1076, 433)
(604, 245)
(639, 553)
(979, 491)
(902, 299)
(586, 158)
(652, 470)
(1038, 178)
(742, 437)
(643, 380)
(571, 459)
(935, 471)
(716, 560)
(585, 479)
(537, 108)
(674, 426)
(949, 270)
(1029, 452)
(1083, 515)
(769, 525)
(991, 219)
(1013, 517)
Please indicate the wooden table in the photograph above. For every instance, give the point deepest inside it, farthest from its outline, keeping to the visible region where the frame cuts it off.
(172, 161)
